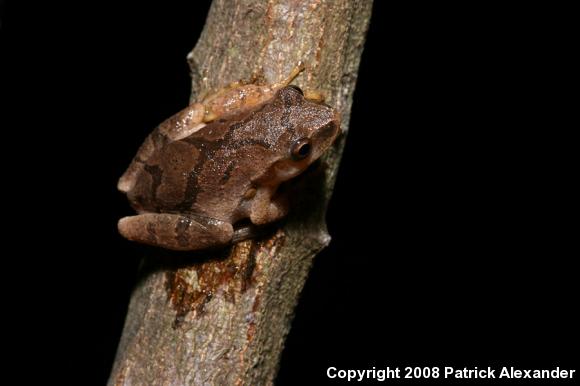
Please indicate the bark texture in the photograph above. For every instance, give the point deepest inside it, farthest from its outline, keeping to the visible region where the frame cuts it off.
(220, 318)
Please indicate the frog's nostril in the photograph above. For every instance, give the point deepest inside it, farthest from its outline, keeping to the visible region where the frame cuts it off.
(328, 130)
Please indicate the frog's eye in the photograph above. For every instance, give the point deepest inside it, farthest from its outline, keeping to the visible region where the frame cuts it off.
(297, 89)
(301, 149)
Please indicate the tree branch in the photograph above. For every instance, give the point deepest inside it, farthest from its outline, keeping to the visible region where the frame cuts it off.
(221, 317)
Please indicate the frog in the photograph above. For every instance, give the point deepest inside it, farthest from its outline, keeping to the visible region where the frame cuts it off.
(220, 162)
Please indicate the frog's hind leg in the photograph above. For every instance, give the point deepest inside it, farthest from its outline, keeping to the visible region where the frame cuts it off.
(206, 98)
(128, 179)
(177, 232)
(291, 76)
(179, 126)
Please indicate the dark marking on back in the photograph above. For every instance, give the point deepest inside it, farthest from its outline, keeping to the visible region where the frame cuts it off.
(156, 173)
(287, 100)
(208, 148)
(228, 172)
(191, 190)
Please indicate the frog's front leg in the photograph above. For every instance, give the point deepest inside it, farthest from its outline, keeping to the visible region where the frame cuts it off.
(266, 209)
(177, 232)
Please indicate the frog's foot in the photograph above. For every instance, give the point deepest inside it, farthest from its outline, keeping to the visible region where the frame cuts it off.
(241, 95)
(212, 95)
(293, 74)
(177, 232)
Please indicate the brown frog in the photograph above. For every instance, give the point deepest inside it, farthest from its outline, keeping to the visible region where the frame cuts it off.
(221, 161)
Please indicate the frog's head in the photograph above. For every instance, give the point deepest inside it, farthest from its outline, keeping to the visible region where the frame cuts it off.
(311, 129)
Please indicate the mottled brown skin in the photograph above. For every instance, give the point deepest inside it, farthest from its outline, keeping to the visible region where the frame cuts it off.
(229, 100)
(190, 190)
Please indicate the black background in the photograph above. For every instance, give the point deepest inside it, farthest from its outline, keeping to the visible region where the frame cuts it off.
(453, 221)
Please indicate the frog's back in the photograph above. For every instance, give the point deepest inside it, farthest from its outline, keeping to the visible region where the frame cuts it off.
(207, 171)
